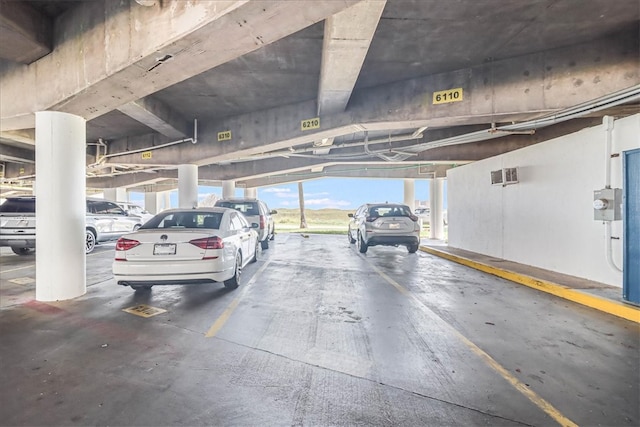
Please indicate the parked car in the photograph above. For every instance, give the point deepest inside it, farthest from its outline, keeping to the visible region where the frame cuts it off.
(187, 246)
(256, 211)
(133, 209)
(384, 224)
(104, 221)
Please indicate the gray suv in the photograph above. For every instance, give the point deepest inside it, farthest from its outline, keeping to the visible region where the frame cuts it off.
(255, 211)
(104, 221)
(385, 224)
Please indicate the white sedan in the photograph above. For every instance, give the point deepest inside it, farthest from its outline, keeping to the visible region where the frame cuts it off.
(186, 246)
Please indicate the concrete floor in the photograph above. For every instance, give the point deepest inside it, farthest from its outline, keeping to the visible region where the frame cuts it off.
(317, 334)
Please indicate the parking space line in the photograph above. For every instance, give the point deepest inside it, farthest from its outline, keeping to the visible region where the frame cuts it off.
(491, 362)
(226, 314)
(16, 269)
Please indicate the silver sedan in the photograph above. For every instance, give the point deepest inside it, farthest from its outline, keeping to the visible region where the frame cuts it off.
(186, 246)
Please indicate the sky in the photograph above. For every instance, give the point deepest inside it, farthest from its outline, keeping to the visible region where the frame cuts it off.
(338, 193)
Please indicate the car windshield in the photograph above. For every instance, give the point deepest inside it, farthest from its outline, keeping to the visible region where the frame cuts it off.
(247, 208)
(18, 206)
(190, 219)
(389, 210)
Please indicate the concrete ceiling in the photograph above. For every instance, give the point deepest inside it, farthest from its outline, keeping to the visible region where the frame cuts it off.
(141, 75)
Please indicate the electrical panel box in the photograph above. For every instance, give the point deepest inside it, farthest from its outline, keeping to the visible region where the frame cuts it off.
(607, 204)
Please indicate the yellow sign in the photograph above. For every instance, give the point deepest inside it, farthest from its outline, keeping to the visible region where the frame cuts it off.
(147, 155)
(310, 124)
(224, 136)
(446, 96)
(21, 171)
(144, 310)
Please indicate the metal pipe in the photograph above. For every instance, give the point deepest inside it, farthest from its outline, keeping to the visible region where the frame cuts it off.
(609, 124)
(608, 246)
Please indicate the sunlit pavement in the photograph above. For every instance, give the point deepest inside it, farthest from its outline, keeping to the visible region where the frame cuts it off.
(317, 334)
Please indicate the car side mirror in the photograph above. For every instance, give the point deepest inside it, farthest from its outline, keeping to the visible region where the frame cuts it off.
(255, 225)
(350, 215)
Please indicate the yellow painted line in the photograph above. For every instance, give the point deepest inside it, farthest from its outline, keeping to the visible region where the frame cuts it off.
(226, 314)
(548, 408)
(611, 307)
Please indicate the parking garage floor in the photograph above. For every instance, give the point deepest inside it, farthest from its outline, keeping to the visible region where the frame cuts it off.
(317, 334)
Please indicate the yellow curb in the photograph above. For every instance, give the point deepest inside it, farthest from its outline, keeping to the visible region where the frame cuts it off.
(611, 307)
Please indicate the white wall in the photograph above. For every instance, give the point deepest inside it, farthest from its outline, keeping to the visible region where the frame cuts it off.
(546, 220)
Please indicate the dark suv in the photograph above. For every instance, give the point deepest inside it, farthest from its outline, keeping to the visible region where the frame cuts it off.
(255, 211)
(104, 221)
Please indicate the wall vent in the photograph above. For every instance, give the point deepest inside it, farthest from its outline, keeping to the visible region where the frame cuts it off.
(504, 176)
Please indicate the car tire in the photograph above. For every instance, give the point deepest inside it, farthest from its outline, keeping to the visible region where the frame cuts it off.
(22, 251)
(413, 248)
(141, 287)
(136, 227)
(233, 282)
(89, 242)
(255, 253)
(265, 244)
(351, 239)
(362, 246)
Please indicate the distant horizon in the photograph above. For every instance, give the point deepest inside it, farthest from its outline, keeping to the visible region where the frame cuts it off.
(325, 193)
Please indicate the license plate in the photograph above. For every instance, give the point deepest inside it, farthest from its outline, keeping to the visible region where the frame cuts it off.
(164, 249)
(394, 226)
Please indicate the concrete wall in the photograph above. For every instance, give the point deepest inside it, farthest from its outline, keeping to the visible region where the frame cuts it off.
(546, 220)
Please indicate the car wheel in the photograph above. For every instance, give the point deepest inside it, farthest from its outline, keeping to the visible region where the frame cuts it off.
(255, 253)
(141, 287)
(237, 271)
(362, 246)
(265, 244)
(136, 227)
(413, 248)
(21, 251)
(90, 242)
(351, 239)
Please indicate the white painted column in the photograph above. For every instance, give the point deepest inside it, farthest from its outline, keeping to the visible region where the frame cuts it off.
(436, 190)
(167, 200)
(116, 194)
(228, 189)
(251, 193)
(410, 193)
(187, 186)
(60, 211)
(152, 202)
(33, 188)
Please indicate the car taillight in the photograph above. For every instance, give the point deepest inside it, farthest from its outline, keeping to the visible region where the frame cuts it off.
(125, 244)
(371, 218)
(261, 221)
(214, 242)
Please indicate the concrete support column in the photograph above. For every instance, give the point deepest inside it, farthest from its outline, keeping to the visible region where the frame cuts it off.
(152, 202)
(410, 193)
(436, 190)
(61, 208)
(228, 189)
(116, 194)
(187, 186)
(167, 200)
(251, 193)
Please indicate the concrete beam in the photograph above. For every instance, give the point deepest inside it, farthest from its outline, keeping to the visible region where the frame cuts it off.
(25, 33)
(347, 37)
(388, 171)
(24, 137)
(118, 59)
(159, 117)
(514, 89)
(17, 155)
